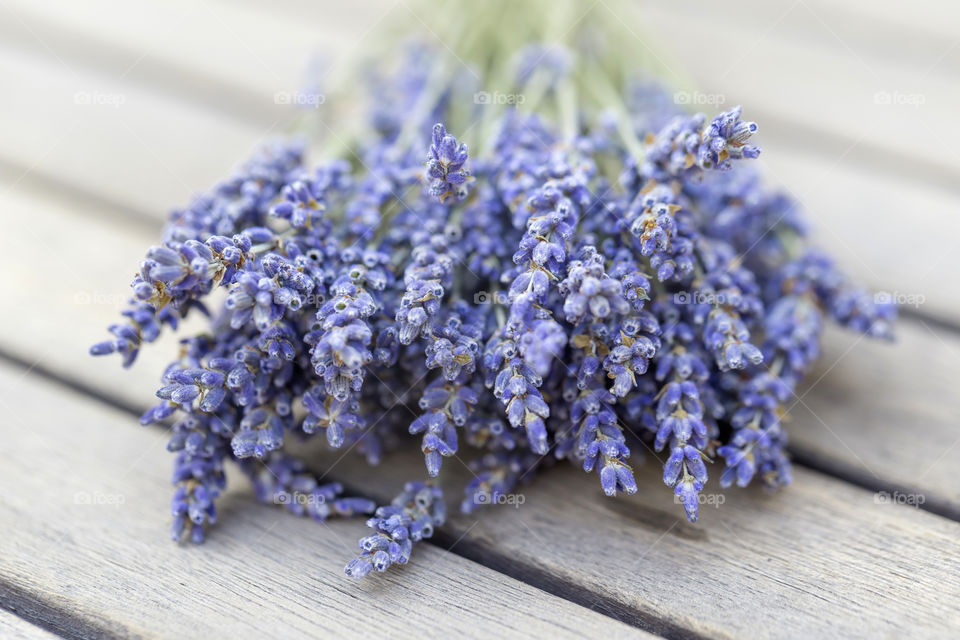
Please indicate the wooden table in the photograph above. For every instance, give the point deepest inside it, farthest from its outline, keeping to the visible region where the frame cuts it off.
(115, 111)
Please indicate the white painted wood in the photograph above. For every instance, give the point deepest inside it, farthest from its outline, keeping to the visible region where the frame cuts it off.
(85, 516)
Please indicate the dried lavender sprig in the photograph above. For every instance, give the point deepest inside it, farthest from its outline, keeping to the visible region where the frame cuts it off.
(409, 518)
(284, 480)
(445, 170)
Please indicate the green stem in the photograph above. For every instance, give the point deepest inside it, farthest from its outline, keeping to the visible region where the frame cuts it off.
(603, 89)
(567, 100)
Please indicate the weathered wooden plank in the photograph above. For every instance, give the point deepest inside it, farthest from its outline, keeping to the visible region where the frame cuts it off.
(771, 58)
(926, 30)
(893, 235)
(227, 55)
(13, 627)
(820, 559)
(91, 543)
(891, 567)
(891, 408)
(98, 133)
(876, 31)
(224, 58)
(65, 269)
(87, 262)
(544, 521)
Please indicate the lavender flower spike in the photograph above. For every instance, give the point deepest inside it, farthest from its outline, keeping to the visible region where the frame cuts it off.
(410, 517)
(445, 169)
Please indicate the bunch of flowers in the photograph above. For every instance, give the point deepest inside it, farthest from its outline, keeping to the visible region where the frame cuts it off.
(594, 282)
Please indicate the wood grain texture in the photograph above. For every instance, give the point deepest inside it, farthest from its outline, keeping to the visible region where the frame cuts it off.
(820, 559)
(13, 627)
(233, 55)
(891, 409)
(68, 266)
(149, 152)
(823, 558)
(84, 515)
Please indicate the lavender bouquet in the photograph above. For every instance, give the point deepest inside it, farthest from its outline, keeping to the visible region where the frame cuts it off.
(597, 271)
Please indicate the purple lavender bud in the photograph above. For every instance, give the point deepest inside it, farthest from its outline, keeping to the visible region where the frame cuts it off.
(445, 172)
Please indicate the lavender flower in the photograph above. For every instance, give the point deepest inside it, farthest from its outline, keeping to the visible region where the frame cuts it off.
(411, 517)
(588, 289)
(614, 279)
(448, 178)
(284, 480)
(689, 144)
